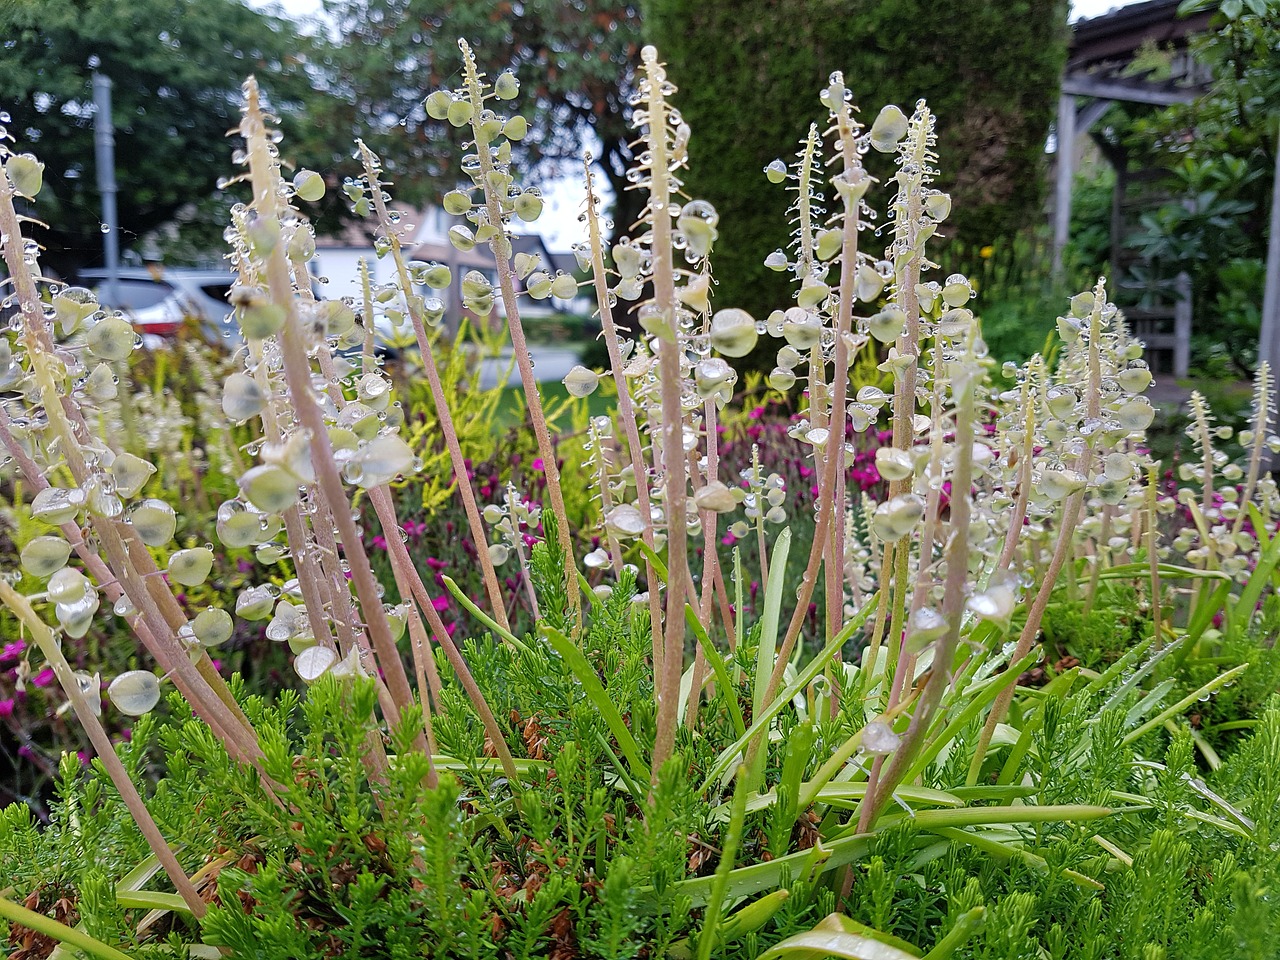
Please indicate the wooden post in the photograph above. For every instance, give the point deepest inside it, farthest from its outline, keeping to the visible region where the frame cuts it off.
(1066, 140)
(1182, 326)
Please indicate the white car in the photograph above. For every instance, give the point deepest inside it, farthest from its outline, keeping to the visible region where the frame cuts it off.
(159, 301)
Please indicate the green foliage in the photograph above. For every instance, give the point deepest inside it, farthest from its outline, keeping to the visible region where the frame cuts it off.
(1219, 157)
(577, 66)
(993, 110)
(176, 67)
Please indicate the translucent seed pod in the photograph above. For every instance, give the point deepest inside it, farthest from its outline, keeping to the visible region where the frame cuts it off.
(624, 520)
(255, 603)
(112, 338)
(130, 474)
(212, 627)
(733, 332)
(154, 521)
(135, 692)
(889, 128)
(313, 663)
(68, 585)
(43, 556)
(715, 496)
(893, 464)
(581, 382)
(271, 489)
(191, 567)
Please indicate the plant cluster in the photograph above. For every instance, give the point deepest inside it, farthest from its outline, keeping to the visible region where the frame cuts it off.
(849, 765)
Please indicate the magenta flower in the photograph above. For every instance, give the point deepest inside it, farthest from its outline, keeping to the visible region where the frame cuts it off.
(44, 678)
(6, 707)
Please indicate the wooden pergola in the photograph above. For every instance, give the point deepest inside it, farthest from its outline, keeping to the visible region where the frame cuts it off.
(1102, 51)
(1099, 73)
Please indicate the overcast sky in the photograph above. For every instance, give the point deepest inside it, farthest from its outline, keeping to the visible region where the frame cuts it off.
(559, 222)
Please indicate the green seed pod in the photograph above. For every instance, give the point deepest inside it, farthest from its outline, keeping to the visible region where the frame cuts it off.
(76, 617)
(869, 283)
(212, 627)
(526, 263)
(490, 125)
(516, 128)
(630, 261)
(191, 567)
(254, 603)
(437, 276)
(1135, 380)
(733, 332)
(528, 206)
(438, 103)
(564, 287)
(1136, 415)
(130, 474)
(624, 520)
(457, 202)
(154, 522)
(813, 293)
(894, 464)
(314, 662)
(308, 185)
(26, 173)
(538, 285)
(937, 205)
(782, 379)
(302, 244)
(925, 626)
(697, 224)
(716, 497)
(890, 126)
(887, 325)
(506, 87)
(56, 506)
(776, 171)
(72, 306)
(100, 385)
(956, 291)
(271, 489)
(462, 238)
(242, 398)
(696, 294)
(1058, 484)
(801, 328)
(382, 460)
(829, 243)
(581, 382)
(460, 112)
(68, 585)
(112, 338)
(261, 319)
(135, 692)
(43, 556)
(895, 518)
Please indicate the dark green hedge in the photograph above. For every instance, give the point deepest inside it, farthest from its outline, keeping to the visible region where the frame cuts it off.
(749, 72)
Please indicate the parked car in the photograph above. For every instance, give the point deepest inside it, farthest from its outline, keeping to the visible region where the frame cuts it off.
(159, 300)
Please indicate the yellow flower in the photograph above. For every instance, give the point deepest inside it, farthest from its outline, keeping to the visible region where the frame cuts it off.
(986, 252)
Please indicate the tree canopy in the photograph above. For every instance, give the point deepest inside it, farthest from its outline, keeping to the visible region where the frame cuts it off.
(176, 67)
(576, 60)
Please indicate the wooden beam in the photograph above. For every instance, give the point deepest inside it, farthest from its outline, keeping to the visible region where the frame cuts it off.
(1085, 86)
